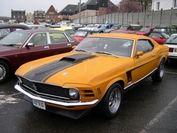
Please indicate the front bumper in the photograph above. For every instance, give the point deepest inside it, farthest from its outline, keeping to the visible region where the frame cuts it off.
(69, 113)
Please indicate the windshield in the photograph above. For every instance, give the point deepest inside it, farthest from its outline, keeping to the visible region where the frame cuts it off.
(172, 39)
(145, 29)
(15, 38)
(104, 45)
(80, 33)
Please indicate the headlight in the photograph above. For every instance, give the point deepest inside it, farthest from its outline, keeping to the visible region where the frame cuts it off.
(74, 94)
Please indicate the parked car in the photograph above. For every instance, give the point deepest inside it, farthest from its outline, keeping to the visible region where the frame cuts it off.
(145, 30)
(34, 26)
(172, 44)
(128, 29)
(92, 76)
(1, 21)
(131, 27)
(5, 29)
(80, 35)
(114, 27)
(159, 37)
(102, 28)
(169, 29)
(87, 27)
(69, 30)
(25, 45)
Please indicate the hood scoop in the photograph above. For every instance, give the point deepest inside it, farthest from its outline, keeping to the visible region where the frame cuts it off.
(44, 72)
(77, 58)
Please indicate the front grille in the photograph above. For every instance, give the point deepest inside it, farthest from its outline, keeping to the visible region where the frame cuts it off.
(45, 90)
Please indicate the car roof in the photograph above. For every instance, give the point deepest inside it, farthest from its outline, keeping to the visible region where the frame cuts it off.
(39, 30)
(14, 26)
(121, 35)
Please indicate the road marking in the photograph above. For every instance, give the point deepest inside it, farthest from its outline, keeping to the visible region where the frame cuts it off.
(158, 116)
(169, 72)
(8, 99)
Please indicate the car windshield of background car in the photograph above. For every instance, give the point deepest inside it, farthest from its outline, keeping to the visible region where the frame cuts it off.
(105, 45)
(165, 35)
(172, 39)
(145, 29)
(14, 38)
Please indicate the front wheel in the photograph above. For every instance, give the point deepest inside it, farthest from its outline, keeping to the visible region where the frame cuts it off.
(4, 71)
(159, 73)
(110, 104)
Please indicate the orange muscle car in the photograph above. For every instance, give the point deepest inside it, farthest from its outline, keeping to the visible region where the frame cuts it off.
(92, 76)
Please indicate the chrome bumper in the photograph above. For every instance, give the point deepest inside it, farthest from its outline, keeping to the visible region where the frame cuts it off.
(17, 87)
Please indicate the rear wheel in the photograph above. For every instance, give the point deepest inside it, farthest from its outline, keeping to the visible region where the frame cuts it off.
(110, 104)
(159, 73)
(4, 71)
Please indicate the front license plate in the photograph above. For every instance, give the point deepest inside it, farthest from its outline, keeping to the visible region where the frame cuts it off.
(39, 104)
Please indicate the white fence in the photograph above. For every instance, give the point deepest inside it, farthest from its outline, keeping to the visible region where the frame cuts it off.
(148, 18)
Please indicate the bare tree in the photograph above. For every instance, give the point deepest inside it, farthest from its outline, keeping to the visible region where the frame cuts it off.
(130, 6)
(112, 9)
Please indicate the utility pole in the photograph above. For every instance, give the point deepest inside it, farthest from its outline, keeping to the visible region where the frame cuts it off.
(79, 11)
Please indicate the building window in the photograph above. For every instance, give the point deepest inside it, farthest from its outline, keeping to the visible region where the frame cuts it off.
(175, 3)
(158, 5)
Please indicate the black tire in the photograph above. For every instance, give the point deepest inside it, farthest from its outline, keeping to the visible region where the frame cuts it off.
(4, 71)
(110, 104)
(159, 73)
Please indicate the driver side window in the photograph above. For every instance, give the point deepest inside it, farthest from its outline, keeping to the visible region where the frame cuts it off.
(39, 39)
(144, 45)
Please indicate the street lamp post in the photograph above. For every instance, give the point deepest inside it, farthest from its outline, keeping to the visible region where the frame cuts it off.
(79, 11)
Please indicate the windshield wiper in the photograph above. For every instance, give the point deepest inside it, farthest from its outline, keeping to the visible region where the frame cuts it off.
(104, 52)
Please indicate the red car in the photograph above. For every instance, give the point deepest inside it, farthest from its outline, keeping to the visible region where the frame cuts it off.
(159, 37)
(80, 35)
(145, 30)
(25, 45)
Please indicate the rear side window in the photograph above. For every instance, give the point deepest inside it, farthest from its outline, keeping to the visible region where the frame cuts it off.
(57, 37)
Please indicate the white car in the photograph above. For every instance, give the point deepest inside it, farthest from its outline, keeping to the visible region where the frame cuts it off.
(172, 44)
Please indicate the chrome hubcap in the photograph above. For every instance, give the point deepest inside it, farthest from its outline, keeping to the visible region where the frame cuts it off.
(114, 100)
(2, 72)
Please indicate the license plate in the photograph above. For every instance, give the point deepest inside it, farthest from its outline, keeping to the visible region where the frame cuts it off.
(39, 104)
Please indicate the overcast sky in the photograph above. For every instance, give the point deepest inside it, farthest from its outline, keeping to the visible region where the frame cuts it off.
(34, 5)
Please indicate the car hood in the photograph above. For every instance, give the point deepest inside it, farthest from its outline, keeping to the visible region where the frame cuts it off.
(74, 67)
(7, 48)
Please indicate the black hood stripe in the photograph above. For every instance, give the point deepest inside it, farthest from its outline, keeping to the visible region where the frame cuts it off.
(44, 72)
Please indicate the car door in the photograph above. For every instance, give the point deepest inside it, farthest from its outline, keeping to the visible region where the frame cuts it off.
(37, 47)
(144, 64)
(60, 42)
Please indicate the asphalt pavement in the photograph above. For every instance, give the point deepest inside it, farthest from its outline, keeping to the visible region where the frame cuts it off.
(148, 108)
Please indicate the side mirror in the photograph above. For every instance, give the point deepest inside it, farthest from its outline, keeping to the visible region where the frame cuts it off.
(30, 45)
(139, 53)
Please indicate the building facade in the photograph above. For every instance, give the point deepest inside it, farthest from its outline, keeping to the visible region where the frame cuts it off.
(18, 15)
(163, 4)
(52, 15)
(39, 15)
(29, 17)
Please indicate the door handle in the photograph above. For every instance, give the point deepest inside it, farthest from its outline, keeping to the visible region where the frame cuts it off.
(69, 44)
(46, 47)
